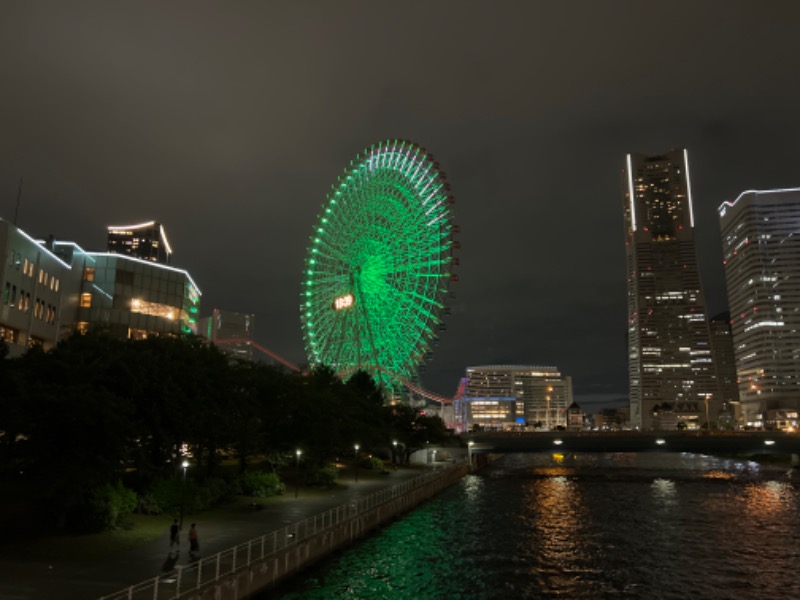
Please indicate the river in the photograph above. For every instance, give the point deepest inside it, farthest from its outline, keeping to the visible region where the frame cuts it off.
(655, 526)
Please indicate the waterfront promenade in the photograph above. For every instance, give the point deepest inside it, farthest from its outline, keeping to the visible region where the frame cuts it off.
(81, 579)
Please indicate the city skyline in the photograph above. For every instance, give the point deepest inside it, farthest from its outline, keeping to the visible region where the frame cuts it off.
(231, 126)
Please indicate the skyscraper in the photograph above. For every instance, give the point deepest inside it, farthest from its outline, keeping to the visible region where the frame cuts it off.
(147, 241)
(725, 368)
(232, 328)
(761, 251)
(669, 354)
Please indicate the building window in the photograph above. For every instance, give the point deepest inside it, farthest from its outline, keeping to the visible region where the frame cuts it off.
(82, 327)
(88, 274)
(7, 294)
(27, 302)
(86, 300)
(9, 335)
(13, 295)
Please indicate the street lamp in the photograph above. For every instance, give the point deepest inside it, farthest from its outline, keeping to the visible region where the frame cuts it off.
(356, 453)
(185, 465)
(297, 452)
(469, 453)
(394, 454)
(708, 421)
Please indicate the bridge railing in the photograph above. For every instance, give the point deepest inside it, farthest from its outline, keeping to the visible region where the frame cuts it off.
(205, 571)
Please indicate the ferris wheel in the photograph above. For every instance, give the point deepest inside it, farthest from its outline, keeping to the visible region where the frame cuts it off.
(379, 265)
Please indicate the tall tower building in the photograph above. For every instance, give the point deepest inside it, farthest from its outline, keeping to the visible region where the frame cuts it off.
(147, 241)
(725, 368)
(761, 251)
(669, 354)
(234, 330)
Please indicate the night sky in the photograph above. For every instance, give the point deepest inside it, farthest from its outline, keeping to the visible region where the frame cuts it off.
(229, 123)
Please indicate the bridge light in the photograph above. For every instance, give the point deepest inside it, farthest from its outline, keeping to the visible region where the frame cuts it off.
(557, 442)
(769, 442)
(661, 441)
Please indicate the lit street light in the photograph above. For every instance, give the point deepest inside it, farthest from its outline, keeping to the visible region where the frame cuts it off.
(185, 465)
(297, 452)
(394, 454)
(356, 449)
(469, 453)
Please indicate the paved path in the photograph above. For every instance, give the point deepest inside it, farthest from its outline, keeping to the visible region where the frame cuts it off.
(79, 580)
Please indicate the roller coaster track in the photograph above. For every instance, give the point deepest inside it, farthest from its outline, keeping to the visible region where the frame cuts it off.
(409, 385)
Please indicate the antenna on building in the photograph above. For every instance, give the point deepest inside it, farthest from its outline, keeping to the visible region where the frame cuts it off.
(19, 195)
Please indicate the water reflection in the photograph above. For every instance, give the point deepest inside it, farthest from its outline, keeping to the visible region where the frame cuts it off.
(657, 525)
(555, 546)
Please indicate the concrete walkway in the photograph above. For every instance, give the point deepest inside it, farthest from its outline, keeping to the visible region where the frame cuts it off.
(80, 580)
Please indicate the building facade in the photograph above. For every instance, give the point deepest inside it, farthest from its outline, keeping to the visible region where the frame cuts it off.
(231, 330)
(725, 369)
(34, 283)
(134, 298)
(669, 354)
(147, 241)
(51, 288)
(517, 396)
(761, 252)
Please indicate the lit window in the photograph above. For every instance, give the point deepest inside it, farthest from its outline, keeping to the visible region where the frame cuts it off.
(86, 300)
(88, 274)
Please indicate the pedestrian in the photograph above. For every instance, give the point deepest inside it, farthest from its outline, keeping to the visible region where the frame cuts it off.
(174, 530)
(194, 546)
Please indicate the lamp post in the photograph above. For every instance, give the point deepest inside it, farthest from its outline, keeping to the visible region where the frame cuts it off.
(469, 453)
(356, 447)
(708, 421)
(394, 453)
(297, 453)
(185, 465)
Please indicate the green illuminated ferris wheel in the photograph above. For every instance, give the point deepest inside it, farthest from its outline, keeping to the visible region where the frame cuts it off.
(379, 265)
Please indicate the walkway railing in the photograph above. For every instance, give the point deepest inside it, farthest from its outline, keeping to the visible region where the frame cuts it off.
(204, 571)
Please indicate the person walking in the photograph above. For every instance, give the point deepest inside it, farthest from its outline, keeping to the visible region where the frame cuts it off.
(174, 537)
(194, 545)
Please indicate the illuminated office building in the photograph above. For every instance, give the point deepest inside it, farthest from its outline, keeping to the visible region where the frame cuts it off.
(51, 288)
(761, 251)
(32, 283)
(134, 298)
(725, 368)
(147, 241)
(669, 353)
(233, 331)
(511, 396)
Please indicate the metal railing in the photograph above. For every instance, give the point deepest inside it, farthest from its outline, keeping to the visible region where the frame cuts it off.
(205, 571)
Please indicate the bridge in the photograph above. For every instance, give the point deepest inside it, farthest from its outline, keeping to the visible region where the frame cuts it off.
(731, 443)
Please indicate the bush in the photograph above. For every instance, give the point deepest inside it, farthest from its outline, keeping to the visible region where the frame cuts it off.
(105, 508)
(323, 477)
(261, 484)
(373, 463)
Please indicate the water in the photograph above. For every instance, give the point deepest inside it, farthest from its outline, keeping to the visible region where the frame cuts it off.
(655, 526)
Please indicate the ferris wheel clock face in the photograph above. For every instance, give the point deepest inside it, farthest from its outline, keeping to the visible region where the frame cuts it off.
(379, 265)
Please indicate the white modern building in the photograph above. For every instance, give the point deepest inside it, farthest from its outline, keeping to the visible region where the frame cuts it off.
(517, 396)
(761, 252)
(33, 280)
(669, 352)
(51, 288)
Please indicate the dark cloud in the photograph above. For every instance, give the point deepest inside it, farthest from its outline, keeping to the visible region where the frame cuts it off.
(230, 122)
